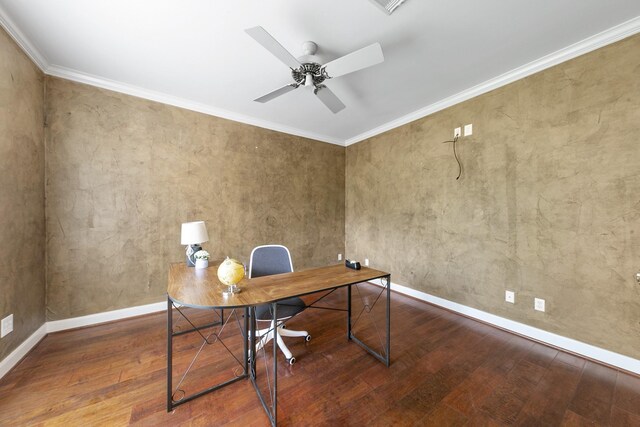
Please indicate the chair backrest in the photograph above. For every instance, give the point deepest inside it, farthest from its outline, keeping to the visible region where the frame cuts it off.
(269, 259)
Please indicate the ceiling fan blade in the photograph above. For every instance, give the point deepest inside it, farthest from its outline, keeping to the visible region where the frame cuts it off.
(276, 93)
(329, 99)
(260, 35)
(362, 58)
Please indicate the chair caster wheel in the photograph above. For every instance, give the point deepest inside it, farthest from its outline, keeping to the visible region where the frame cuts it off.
(292, 360)
(307, 338)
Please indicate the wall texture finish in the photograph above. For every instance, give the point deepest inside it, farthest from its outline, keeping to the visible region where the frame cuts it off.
(22, 235)
(123, 173)
(548, 203)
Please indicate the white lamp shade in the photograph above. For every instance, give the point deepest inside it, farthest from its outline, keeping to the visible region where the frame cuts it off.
(193, 233)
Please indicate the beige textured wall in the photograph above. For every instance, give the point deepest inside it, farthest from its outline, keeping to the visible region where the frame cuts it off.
(548, 204)
(22, 287)
(123, 173)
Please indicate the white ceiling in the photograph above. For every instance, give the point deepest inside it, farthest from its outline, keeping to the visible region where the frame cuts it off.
(195, 53)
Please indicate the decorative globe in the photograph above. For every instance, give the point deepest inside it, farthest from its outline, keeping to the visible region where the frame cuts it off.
(230, 272)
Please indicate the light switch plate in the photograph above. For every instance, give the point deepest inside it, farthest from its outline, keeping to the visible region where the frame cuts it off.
(7, 326)
(538, 304)
(468, 129)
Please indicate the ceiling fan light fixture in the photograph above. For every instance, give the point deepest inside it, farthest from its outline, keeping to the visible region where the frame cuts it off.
(388, 5)
(308, 80)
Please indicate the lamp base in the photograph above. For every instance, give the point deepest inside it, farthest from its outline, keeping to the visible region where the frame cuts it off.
(192, 249)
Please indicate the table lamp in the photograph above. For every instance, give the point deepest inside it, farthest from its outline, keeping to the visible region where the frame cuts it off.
(193, 233)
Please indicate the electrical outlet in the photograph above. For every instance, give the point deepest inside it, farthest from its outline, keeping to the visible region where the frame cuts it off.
(366, 262)
(7, 326)
(510, 296)
(339, 257)
(468, 129)
(538, 304)
(457, 132)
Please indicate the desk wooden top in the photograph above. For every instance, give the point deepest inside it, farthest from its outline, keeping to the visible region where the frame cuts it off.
(201, 287)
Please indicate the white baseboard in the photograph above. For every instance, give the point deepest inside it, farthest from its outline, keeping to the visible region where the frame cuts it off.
(587, 350)
(592, 352)
(107, 316)
(16, 355)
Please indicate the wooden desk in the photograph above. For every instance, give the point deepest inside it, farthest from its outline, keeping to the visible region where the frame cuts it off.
(200, 288)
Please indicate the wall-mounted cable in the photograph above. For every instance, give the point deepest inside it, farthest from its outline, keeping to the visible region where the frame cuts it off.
(455, 154)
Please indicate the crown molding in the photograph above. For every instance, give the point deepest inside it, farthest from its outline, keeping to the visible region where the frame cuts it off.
(77, 76)
(589, 44)
(80, 77)
(18, 36)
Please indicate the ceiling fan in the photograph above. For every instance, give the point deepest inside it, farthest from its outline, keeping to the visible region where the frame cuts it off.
(307, 72)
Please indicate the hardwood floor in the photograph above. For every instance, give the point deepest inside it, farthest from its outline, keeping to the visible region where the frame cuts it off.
(445, 370)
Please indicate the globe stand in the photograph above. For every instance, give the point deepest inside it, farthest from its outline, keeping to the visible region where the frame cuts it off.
(231, 290)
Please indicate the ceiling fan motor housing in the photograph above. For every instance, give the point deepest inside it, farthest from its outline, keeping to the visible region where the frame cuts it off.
(317, 73)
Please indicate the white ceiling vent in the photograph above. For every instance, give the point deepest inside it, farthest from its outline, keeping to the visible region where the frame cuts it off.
(388, 5)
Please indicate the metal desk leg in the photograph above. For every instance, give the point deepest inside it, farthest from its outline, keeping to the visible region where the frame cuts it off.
(349, 313)
(274, 309)
(253, 356)
(169, 355)
(247, 334)
(388, 352)
(171, 403)
(271, 410)
(383, 355)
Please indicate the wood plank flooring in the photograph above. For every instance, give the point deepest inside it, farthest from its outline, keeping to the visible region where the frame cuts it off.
(446, 370)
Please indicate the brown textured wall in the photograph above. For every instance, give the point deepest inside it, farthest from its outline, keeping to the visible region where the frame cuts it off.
(123, 173)
(548, 204)
(22, 287)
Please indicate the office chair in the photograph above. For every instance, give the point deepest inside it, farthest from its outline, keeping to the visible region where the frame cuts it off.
(275, 259)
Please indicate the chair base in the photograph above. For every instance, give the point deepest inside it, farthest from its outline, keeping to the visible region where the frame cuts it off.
(265, 335)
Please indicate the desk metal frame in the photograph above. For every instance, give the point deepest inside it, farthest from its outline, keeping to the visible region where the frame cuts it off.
(171, 403)
(249, 330)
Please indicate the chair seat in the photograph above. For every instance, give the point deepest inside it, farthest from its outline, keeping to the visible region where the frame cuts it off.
(286, 308)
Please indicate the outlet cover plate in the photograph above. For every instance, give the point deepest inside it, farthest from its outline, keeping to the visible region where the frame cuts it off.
(7, 326)
(457, 132)
(538, 304)
(366, 262)
(510, 296)
(339, 257)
